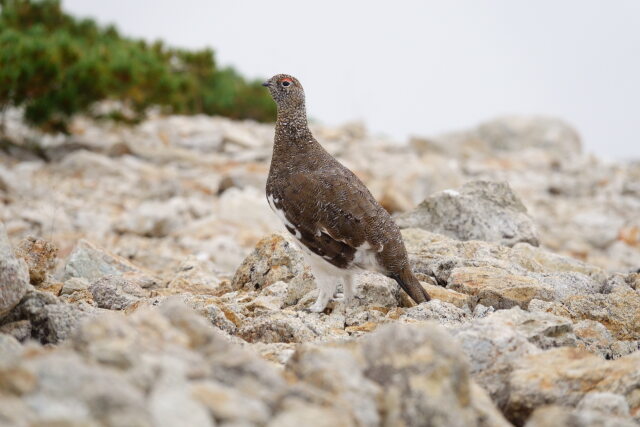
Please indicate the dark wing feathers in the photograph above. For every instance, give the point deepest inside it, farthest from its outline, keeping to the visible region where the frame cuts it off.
(330, 210)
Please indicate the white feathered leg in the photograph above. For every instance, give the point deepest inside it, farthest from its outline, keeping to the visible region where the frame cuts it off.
(348, 282)
(326, 287)
(326, 276)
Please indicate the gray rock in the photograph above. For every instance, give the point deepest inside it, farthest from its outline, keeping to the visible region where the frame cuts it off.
(493, 287)
(517, 133)
(567, 284)
(608, 403)
(480, 311)
(74, 284)
(500, 276)
(542, 329)
(225, 403)
(14, 275)
(196, 277)
(219, 319)
(274, 259)
(373, 289)
(210, 309)
(300, 413)
(558, 416)
(174, 405)
(154, 218)
(479, 210)
(493, 346)
(424, 375)
(51, 321)
(116, 292)
(20, 329)
(509, 134)
(564, 376)
(289, 326)
(619, 310)
(184, 197)
(596, 338)
(90, 262)
(66, 389)
(9, 348)
(338, 371)
(40, 256)
(442, 312)
(233, 366)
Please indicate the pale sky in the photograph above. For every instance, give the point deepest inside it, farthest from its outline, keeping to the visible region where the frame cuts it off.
(422, 67)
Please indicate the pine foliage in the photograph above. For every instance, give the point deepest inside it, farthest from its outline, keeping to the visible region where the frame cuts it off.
(55, 65)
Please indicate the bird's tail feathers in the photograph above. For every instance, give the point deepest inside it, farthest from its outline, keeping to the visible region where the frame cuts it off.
(411, 285)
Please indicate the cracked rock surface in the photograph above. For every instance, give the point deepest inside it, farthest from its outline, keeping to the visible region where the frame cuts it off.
(152, 285)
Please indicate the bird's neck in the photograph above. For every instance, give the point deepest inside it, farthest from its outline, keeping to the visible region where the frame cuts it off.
(292, 131)
(292, 122)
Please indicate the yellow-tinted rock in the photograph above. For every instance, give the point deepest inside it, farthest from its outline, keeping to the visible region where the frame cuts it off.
(497, 288)
(564, 375)
(448, 295)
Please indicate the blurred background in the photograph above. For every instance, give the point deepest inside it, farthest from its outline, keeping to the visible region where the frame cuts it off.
(403, 68)
(421, 67)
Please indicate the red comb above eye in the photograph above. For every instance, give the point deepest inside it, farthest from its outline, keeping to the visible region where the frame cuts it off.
(286, 79)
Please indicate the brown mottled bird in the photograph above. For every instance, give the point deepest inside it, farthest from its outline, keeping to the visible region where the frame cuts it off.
(340, 226)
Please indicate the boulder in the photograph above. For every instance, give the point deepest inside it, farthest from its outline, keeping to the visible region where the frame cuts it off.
(559, 416)
(437, 256)
(508, 134)
(196, 276)
(398, 375)
(497, 288)
(493, 346)
(425, 378)
(479, 210)
(596, 338)
(50, 320)
(289, 326)
(274, 259)
(20, 329)
(159, 218)
(542, 329)
(609, 403)
(444, 313)
(9, 348)
(619, 311)
(338, 371)
(90, 262)
(300, 413)
(564, 376)
(116, 292)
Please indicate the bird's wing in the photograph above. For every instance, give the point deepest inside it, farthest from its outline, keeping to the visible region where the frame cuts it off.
(329, 213)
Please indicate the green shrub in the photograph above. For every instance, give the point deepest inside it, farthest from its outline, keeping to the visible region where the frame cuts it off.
(55, 65)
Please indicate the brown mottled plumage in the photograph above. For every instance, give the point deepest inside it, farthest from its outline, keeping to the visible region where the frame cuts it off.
(340, 226)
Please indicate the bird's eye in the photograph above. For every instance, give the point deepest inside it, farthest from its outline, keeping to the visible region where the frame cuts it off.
(286, 83)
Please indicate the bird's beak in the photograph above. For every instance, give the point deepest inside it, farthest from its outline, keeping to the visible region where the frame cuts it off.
(266, 84)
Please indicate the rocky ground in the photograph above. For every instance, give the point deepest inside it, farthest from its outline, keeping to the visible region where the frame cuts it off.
(145, 282)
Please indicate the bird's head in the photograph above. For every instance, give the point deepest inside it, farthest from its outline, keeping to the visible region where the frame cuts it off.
(286, 91)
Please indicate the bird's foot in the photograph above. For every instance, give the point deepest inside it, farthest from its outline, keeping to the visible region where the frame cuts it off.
(317, 308)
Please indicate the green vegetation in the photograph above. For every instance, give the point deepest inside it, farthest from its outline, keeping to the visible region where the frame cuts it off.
(55, 65)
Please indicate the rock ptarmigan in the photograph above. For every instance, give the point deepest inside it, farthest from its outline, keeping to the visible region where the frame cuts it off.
(341, 228)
